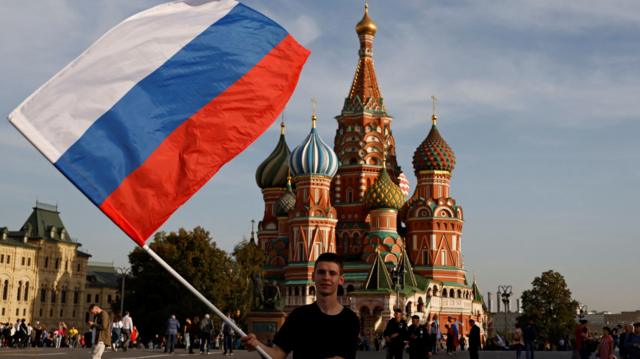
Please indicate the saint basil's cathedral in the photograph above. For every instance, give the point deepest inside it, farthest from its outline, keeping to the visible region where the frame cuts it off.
(352, 200)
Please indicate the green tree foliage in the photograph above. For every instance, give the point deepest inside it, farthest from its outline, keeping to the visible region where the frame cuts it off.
(549, 306)
(153, 294)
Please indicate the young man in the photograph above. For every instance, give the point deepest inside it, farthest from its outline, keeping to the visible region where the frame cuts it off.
(102, 331)
(324, 329)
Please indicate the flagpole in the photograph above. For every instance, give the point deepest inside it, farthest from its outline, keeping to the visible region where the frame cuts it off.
(193, 290)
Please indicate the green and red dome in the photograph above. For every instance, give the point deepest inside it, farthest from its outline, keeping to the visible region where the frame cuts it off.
(434, 154)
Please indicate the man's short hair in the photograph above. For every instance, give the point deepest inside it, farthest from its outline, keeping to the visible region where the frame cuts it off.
(91, 306)
(415, 317)
(636, 324)
(329, 257)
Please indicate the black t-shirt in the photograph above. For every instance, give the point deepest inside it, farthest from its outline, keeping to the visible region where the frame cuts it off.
(311, 334)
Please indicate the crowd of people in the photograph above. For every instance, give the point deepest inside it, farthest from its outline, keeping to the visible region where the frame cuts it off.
(423, 340)
(22, 334)
(195, 335)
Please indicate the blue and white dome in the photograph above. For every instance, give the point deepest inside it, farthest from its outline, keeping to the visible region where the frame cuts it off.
(313, 156)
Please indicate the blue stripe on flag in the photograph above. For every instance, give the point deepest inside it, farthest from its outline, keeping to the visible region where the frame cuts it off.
(123, 137)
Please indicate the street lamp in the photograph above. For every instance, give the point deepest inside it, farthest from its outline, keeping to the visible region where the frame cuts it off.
(506, 292)
(583, 311)
(124, 272)
(398, 280)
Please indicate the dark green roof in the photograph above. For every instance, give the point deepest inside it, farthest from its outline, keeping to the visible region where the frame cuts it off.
(42, 220)
(409, 279)
(101, 275)
(477, 297)
(379, 278)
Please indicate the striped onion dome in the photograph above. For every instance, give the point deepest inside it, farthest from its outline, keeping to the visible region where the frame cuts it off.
(313, 156)
(273, 171)
(434, 154)
(286, 202)
(383, 193)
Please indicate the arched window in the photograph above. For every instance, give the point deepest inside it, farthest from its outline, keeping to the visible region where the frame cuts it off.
(26, 291)
(19, 290)
(452, 293)
(63, 295)
(312, 290)
(5, 290)
(444, 293)
(459, 293)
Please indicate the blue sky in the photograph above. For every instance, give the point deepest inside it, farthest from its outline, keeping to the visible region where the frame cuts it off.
(538, 98)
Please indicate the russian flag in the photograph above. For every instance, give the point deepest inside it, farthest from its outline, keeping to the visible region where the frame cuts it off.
(152, 110)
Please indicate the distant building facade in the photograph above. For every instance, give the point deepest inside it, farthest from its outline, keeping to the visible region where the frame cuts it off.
(43, 273)
(103, 285)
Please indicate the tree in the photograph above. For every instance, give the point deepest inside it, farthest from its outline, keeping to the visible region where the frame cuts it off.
(154, 294)
(549, 306)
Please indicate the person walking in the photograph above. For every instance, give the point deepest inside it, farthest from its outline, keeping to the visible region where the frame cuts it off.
(116, 331)
(186, 334)
(419, 339)
(628, 331)
(101, 330)
(194, 333)
(474, 339)
(529, 334)
(395, 334)
(227, 336)
(605, 346)
(127, 326)
(632, 343)
(435, 334)
(171, 333)
(206, 330)
(518, 341)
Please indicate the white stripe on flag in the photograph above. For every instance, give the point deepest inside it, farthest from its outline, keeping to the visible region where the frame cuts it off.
(55, 116)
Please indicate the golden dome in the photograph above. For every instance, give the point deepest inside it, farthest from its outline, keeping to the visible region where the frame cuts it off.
(366, 26)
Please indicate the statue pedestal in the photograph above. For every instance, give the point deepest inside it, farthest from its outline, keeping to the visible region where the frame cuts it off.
(265, 324)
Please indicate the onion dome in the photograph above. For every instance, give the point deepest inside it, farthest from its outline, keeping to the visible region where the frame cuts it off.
(434, 154)
(286, 202)
(383, 193)
(273, 172)
(313, 156)
(366, 26)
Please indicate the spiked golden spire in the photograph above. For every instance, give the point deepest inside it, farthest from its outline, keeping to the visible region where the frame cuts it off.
(434, 116)
(366, 26)
(314, 106)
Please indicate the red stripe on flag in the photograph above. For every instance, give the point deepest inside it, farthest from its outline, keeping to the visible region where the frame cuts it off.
(196, 150)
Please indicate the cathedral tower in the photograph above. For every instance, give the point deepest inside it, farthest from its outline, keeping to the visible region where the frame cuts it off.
(364, 130)
(312, 220)
(271, 177)
(434, 220)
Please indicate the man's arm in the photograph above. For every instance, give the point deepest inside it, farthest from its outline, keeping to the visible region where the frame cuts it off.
(252, 343)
